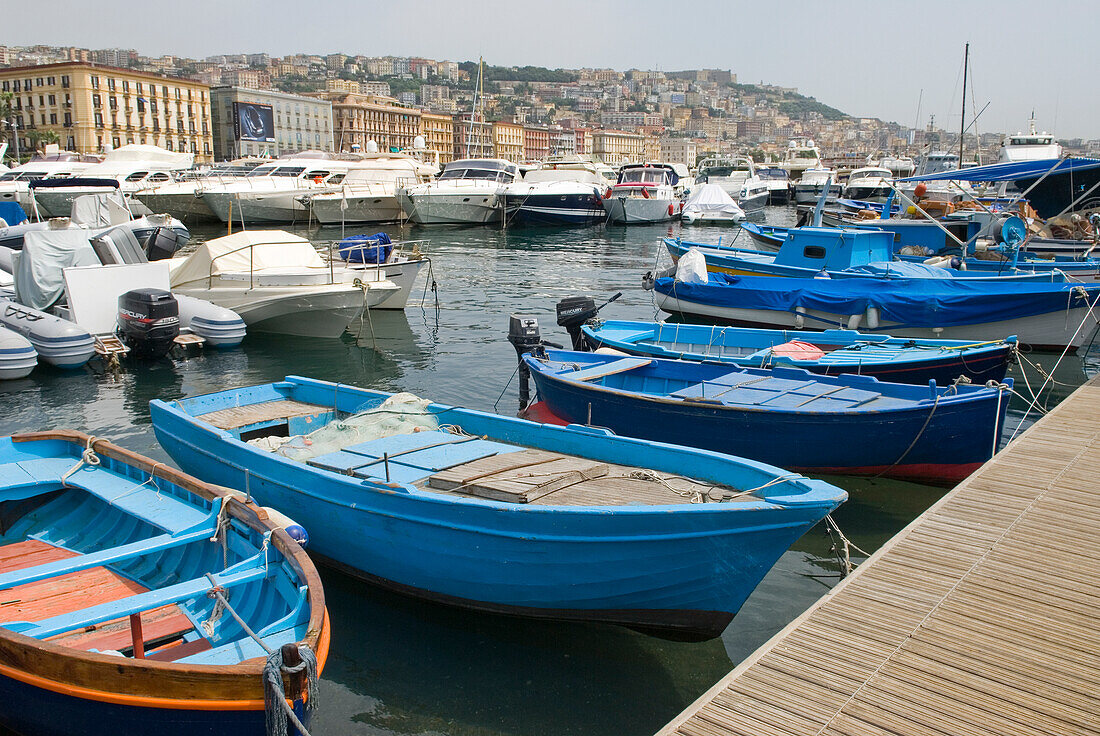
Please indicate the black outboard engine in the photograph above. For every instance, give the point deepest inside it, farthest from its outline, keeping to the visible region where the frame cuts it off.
(162, 244)
(523, 333)
(573, 312)
(148, 322)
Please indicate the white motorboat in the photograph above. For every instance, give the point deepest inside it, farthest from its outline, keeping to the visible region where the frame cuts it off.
(709, 204)
(278, 282)
(368, 194)
(15, 183)
(779, 184)
(644, 193)
(868, 184)
(399, 262)
(899, 166)
(131, 167)
(182, 197)
(810, 187)
(274, 191)
(737, 175)
(1029, 146)
(17, 356)
(558, 193)
(801, 154)
(468, 192)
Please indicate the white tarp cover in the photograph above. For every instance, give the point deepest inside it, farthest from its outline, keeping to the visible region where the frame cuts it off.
(270, 249)
(39, 281)
(153, 155)
(711, 198)
(99, 210)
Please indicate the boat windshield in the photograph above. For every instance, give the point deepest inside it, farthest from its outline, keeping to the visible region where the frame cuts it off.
(23, 175)
(870, 174)
(261, 171)
(643, 176)
(724, 170)
(772, 173)
(805, 153)
(288, 171)
(485, 174)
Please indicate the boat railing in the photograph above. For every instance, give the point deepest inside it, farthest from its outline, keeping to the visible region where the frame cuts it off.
(251, 248)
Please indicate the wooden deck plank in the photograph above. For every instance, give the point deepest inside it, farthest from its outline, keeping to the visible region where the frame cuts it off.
(977, 619)
(242, 416)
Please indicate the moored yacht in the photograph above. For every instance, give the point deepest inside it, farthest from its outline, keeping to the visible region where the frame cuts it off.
(1030, 146)
(182, 197)
(868, 184)
(135, 166)
(565, 192)
(54, 163)
(644, 193)
(809, 188)
(468, 192)
(737, 175)
(369, 191)
(801, 155)
(273, 192)
(779, 184)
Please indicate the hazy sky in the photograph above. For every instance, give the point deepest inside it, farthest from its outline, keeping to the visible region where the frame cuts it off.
(866, 58)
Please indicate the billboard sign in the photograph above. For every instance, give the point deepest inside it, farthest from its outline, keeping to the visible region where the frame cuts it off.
(253, 122)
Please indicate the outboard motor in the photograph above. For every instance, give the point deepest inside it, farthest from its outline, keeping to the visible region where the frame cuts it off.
(148, 322)
(574, 311)
(162, 244)
(523, 333)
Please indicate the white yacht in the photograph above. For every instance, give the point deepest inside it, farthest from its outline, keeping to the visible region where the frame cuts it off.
(273, 192)
(54, 163)
(1030, 146)
(868, 184)
(737, 175)
(133, 166)
(809, 188)
(560, 192)
(644, 193)
(779, 184)
(899, 166)
(801, 154)
(369, 191)
(277, 282)
(182, 197)
(468, 192)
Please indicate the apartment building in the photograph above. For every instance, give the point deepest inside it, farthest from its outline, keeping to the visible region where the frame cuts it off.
(473, 136)
(297, 123)
(536, 143)
(92, 108)
(358, 119)
(616, 147)
(508, 141)
(439, 135)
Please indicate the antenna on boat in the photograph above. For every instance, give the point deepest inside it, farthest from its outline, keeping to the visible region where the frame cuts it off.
(962, 120)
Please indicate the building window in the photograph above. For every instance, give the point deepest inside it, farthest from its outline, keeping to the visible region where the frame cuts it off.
(65, 81)
(95, 81)
(71, 143)
(125, 85)
(99, 120)
(39, 82)
(113, 102)
(53, 118)
(140, 105)
(53, 99)
(111, 86)
(168, 145)
(97, 101)
(51, 81)
(139, 88)
(116, 142)
(68, 119)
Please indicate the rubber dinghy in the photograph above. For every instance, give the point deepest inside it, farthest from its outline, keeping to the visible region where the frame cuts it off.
(501, 514)
(139, 600)
(853, 425)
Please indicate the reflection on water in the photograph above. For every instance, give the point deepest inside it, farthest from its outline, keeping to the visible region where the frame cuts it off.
(400, 666)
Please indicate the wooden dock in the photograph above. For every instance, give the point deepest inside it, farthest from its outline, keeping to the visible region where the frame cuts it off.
(979, 618)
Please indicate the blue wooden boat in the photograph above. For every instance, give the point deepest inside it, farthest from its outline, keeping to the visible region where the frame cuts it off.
(1042, 316)
(853, 425)
(832, 352)
(122, 581)
(501, 514)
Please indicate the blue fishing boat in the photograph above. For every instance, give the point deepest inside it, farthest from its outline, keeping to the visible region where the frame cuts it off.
(138, 600)
(832, 352)
(497, 513)
(1043, 316)
(853, 425)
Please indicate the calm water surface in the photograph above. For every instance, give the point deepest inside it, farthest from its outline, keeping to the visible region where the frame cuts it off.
(401, 666)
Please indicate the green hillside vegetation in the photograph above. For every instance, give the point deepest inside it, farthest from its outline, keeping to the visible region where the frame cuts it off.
(791, 104)
(517, 73)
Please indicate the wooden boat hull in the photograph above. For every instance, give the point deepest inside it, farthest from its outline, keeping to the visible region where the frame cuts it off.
(682, 574)
(914, 443)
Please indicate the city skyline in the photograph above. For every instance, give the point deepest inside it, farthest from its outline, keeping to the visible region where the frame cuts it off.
(882, 71)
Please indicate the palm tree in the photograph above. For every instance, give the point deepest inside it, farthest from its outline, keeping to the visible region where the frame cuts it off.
(43, 137)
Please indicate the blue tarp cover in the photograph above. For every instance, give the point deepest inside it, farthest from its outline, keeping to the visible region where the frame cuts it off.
(909, 302)
(1011, 171)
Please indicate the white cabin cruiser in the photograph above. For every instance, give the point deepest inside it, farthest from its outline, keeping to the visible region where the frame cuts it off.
(15, 183)
(368, 258)
(801, 154)
(182, 197)
(869, 184)
(644, 193)
(468, 192)
(1030, 146)
(277, 282)
(273, 192)
(559, 193)
(709, 204)
(368, 194)
(779, 184)
(737, 175)
(810, 187)
(899, 166)
(133, 167)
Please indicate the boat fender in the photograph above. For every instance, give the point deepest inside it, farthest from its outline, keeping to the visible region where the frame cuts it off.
(671, 209)
(607, 194)
(645, 193)
(681, 205)
(800, 317)
(872, 318)
(296, 531)
(854, 320)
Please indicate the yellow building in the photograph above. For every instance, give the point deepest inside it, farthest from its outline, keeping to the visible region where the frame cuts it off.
(91, 107)
(358, 119)
(439, 135)
(615, 147)
(508, 141)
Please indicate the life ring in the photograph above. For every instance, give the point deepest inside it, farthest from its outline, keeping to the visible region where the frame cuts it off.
(671, 209)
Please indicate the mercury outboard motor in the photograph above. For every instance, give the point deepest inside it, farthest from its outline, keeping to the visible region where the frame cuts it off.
(574, 311)
(162, 244)
(148, 322)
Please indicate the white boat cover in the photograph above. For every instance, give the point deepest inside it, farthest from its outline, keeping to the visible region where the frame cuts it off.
(99, 210)
(39, 281)
(137, 152)
(712, 199)
(255, 250)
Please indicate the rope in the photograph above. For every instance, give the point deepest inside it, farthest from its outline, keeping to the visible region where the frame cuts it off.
(844, 551)
(276, 708)
(88, 457)
(935, 405)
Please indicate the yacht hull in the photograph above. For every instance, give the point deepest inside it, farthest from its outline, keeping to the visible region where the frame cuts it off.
(360, 210)
(640, 210)
(554, 209)
(465, 208)
(182, 206)
(253, 207)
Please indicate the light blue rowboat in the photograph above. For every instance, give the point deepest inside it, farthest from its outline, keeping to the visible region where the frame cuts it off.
(502, 514)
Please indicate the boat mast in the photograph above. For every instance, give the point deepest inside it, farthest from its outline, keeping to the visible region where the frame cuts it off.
(962, 123)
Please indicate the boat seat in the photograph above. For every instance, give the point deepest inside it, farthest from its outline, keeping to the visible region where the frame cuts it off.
(124, 493)
(606, 369)
(239, 650)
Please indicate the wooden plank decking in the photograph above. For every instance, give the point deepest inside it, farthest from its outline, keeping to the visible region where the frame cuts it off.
(979, 618)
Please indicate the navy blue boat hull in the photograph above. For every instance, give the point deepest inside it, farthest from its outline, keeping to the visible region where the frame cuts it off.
(549, 210)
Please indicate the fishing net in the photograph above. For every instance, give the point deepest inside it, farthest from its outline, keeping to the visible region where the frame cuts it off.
(402, 413)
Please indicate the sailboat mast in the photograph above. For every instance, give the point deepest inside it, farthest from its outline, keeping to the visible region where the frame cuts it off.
(962, 123)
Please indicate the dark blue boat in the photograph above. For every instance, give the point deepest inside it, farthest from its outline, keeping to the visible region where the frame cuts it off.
(853, 425)
(500, 514)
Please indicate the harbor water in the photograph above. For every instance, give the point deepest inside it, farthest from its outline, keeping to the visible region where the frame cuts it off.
(404, 666)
